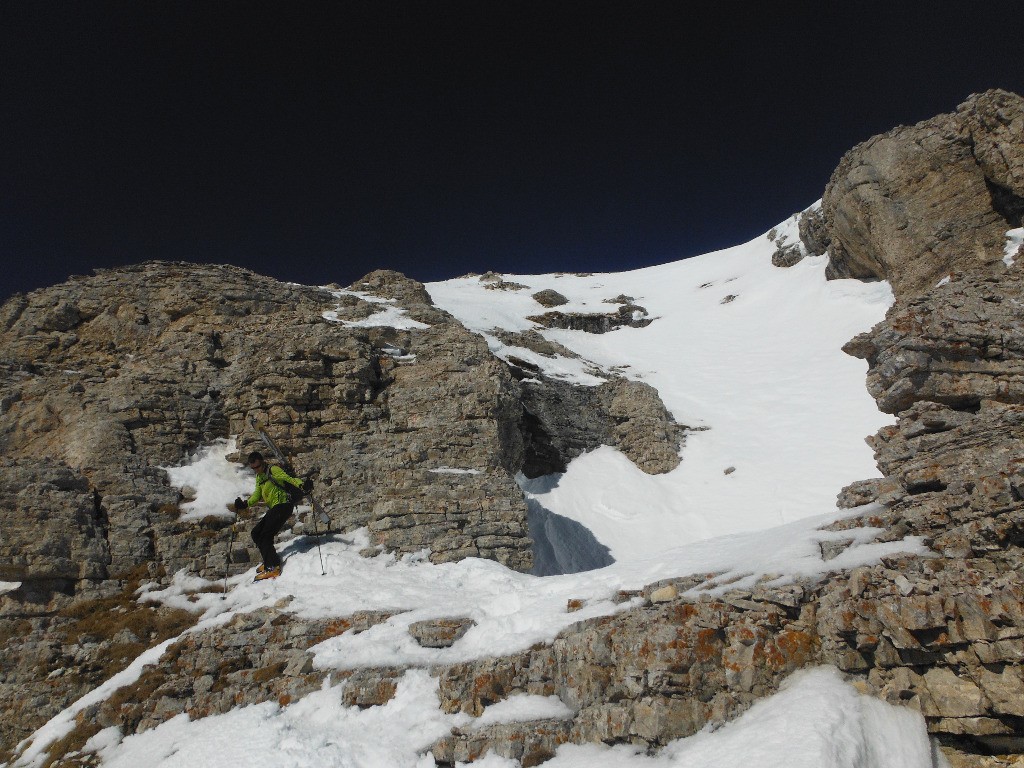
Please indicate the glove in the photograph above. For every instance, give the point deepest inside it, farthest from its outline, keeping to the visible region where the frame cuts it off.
(240, 504)
(307, 486)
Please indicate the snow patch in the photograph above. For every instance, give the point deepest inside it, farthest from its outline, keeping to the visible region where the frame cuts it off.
(1014, 242)
(524, 708)
(388, 317)
(215, 480)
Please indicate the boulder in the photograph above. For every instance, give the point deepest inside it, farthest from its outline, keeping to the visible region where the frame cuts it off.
(440, 633)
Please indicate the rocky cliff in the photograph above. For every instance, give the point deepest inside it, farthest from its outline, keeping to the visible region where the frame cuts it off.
(108, 378)
(409, 426)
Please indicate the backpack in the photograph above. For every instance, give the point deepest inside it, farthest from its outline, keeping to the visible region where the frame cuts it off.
(295, 493)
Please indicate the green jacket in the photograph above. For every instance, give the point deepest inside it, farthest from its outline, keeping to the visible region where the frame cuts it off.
(270, 492)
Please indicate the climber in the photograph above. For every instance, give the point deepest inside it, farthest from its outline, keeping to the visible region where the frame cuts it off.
(272, 491)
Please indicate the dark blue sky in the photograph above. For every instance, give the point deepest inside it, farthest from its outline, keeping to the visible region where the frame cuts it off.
(317, 141)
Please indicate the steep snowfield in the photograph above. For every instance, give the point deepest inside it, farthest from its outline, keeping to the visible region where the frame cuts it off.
(763, 373)
(760, 378)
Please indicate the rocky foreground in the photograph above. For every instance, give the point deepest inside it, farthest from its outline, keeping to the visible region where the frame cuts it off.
(105, 379)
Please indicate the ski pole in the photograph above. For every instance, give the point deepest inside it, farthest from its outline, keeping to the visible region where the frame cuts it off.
(227, 561)
(315, 514)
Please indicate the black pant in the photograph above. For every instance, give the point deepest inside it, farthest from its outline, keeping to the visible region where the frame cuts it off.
(266, 529)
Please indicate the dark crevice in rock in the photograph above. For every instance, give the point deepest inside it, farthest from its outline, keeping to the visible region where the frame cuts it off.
(931, 486)
(1006, 203)
(561, 545)
(540, 456)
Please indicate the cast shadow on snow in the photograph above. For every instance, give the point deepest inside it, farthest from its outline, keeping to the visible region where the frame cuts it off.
(303, 543)
(561, 545)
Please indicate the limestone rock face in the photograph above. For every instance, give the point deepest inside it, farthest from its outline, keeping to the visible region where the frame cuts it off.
(960, 344)
(60, 535)
(113, 376)
(914, 204)
(947, 364)
(562, 421)
(405, 420)
(944, 635)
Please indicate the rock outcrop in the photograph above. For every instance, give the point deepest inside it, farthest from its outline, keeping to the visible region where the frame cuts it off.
(960, 344)
(407, 422)
(914, 204)
(946, 363)
(562, 421)
(111, 377)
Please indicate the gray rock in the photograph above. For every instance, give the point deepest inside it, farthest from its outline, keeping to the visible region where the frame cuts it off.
(814, 231)
(561, 421)
(440, 633)
(917, 203)
(631, 315)
(550, 298)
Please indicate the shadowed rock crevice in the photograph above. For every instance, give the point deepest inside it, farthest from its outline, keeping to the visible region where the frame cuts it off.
(1007, 204)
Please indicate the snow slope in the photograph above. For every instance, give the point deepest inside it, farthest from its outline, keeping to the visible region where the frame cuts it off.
(782, 405)
(762, 382)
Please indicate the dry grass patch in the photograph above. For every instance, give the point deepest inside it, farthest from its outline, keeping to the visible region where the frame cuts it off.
(105, 620)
